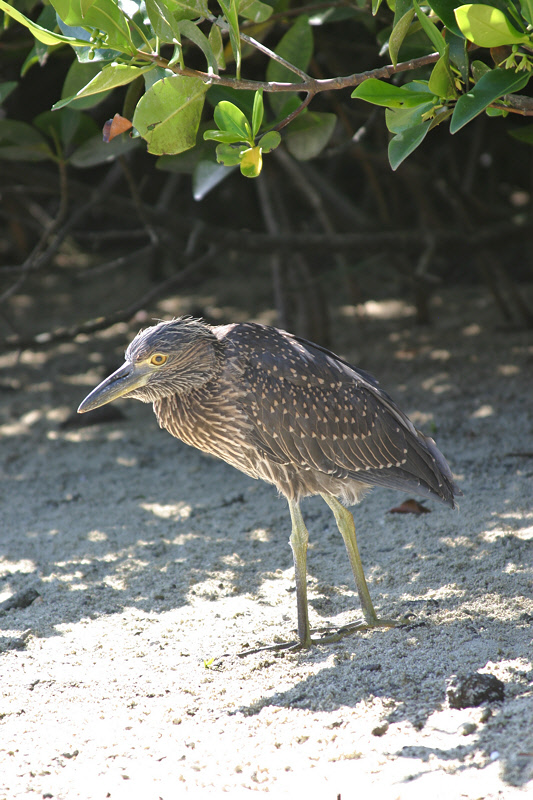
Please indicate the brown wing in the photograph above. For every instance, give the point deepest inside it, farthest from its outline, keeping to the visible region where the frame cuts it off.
(311, 409)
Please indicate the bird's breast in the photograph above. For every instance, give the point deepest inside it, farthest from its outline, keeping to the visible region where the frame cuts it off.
(213, 424)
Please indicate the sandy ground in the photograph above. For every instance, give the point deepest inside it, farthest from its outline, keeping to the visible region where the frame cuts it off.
(155, 565)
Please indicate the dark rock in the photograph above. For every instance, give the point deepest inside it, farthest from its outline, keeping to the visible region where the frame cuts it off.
(19, 600)
(474, 690)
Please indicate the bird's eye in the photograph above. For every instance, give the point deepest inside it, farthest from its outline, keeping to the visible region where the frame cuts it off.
(158, 360)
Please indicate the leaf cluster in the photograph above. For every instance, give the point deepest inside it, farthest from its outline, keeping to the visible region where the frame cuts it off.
(456, 89)
(150, 46)
(237, 137)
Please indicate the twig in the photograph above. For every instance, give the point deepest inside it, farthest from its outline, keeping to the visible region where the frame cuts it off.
(301, 182)
(38, 256)
(36, 260)
(422, 280)
(262, 242)
(137, 199)
(261, 47)
(310, 85)
(334, 196)
(101, 323)
(516, 104)
(289, 118)
(276, 258)
(296, 12)
(115, 263)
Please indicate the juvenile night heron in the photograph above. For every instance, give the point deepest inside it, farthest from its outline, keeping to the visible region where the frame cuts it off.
(285, 410)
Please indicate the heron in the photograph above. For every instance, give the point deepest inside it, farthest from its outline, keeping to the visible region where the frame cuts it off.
(287, 411)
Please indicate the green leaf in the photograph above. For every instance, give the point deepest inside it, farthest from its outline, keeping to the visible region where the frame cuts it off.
(269, 141)
(87, 54)
(41, 34)
(257, 113)
(255, 10)
(252, 162)
(402, 119)
(207, 175)
(487, 26)
(78, 76)
(85, 5)
(103, 15)
(308, 134)
(67, 127)
(495, 84)
(292, 102)
(441, 81)
(5, 89)
(35, 57)
(163, 22)
(156, 74)
(193, 33)
(479, 68)
(430, 29)
(458, 53)
(399, 33)
(217, 45)
(242, 98)
(231, 119)
(527, 10)
(168, 115)
(524, 134)
(296, 47)
(108, 78)
(186, 162)
(444, 10)
(222, 136)
(381, 93)
(403, 144)
(400, 8)
(229, 7)
(496, 112)
(228, 155)
(95, 151)
(20, 142)
(189, 9)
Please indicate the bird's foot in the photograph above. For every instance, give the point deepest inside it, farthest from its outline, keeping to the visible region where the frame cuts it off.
(272, 648)
(362, 626)
(377, 622)
(329, 636)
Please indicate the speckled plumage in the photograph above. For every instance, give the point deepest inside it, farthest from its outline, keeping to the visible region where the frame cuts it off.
(281, 409)
(287, 411)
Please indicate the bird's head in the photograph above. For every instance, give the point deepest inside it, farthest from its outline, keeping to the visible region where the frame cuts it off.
(173, 357)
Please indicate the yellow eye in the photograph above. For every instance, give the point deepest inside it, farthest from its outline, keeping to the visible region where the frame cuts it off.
(158, 360)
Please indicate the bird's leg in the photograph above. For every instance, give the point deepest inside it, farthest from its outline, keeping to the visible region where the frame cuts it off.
(298, 542)
(346, 526)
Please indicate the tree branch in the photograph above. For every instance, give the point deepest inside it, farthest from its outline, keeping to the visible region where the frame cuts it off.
(516, 104)
(311, 86)
(101, 323)
(261, 47)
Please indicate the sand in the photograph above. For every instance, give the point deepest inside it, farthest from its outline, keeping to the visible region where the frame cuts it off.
(154, 566)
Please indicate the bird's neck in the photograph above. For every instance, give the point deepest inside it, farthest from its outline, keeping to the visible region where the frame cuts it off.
(202, 363)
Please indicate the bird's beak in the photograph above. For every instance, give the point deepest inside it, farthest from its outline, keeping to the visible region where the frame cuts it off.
(125, 380)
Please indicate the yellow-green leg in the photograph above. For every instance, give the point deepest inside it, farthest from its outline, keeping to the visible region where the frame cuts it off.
(346, 526)
(298, 541)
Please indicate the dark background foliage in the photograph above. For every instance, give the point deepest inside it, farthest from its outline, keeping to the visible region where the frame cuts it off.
(109, 240)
